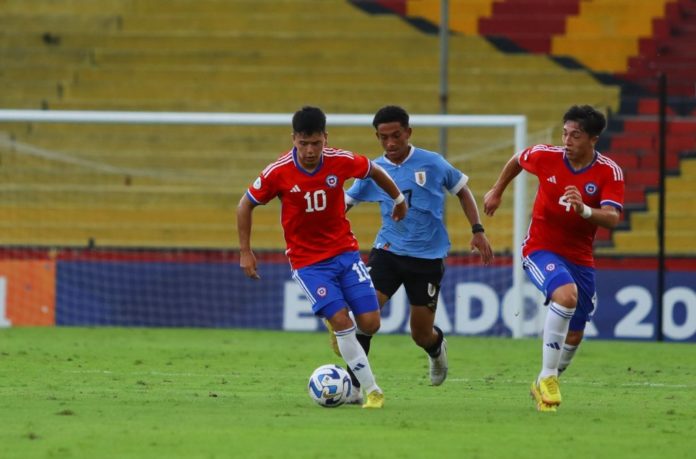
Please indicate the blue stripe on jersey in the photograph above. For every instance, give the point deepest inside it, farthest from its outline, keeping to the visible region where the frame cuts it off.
(253, 199)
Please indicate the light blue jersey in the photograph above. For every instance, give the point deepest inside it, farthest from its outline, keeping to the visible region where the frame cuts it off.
(423, 177)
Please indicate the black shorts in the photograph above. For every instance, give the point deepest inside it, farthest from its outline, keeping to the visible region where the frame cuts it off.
(420, 276)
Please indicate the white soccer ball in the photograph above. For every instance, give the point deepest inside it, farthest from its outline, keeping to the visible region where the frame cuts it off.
(329, 386)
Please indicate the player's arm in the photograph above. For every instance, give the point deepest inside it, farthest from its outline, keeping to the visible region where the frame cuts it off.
(385, 182)
(247, 259)
(606, 217)
(479, 241)
(492, 199)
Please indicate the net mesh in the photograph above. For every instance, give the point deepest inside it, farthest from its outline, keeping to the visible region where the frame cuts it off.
(135, 225)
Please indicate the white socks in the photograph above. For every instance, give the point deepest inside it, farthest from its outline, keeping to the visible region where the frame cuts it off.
(555, 331)
(566, 356)
(356, 359)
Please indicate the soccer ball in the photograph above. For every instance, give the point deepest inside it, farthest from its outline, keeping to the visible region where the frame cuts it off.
(329, 386)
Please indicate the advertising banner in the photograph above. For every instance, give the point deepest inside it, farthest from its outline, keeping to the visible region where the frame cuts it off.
(474, 300)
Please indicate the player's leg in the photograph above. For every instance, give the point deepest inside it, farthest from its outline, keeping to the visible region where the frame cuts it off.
(321, 283)
(422, 283)
(351, 351)
(550, 274)
(384, 270)
(360, 295)
(430, 337)
(570, 347)
(587, 301)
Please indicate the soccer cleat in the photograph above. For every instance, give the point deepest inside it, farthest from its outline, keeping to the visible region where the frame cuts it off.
(438, 365)
(355, 397)
(333, 342)
(549, 390)
(540, 405)
(375, 399)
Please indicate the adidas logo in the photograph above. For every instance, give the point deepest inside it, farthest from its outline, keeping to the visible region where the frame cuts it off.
(553, 346)
(358, 367)
(295, 189)
(551, 179)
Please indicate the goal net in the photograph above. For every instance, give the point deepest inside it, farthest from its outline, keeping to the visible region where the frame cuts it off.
(128, 218)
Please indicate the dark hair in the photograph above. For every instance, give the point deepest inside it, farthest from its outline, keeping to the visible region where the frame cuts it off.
(309, 120)
(590, 120)
(390, 114)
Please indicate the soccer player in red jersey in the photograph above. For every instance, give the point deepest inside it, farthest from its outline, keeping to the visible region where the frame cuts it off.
(579, 190)
(321, 248)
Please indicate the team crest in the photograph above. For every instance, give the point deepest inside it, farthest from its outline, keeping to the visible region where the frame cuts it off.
(257, 183)
(321, 291)
(590, 188)
(550, 267)
(332, 181)
(420, 178)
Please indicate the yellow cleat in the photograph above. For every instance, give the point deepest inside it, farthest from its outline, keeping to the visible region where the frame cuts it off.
(375, 399)
(332, 338)
(540, 405)
(550, 390)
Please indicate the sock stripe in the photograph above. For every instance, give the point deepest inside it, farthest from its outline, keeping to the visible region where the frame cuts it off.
(345, 332)
(553, 307)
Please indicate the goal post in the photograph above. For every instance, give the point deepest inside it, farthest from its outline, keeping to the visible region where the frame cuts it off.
(518, 124)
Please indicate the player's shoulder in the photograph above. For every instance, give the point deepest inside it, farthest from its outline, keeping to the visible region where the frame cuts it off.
(542, 149)
(279, 164)
(331, 152)
(423, 156)
(610, 166)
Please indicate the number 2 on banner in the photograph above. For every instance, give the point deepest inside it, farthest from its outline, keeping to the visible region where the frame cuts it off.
(4, 320)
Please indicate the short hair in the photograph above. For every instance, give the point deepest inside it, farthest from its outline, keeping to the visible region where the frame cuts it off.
(309, 120)
(390, 114)
(590, 120)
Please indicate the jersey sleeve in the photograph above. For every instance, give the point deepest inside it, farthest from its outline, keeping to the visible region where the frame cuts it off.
(262, 190)
(454, 179)
(613, 191)
(361, 166)
(529, 158)
(363, 190)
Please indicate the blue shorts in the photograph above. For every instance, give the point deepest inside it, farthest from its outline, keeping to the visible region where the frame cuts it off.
(334, 283)
(549, 271)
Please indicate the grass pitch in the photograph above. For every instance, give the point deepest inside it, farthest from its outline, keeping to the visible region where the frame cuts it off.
(200, 393)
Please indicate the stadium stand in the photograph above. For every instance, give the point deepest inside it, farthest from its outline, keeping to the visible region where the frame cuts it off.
(178, 186)
(530, 24)
(607, 26)
(164, 186)
(656, 37)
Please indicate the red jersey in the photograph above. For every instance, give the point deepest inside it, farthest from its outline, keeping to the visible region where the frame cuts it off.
(555, 226)
(313, 208)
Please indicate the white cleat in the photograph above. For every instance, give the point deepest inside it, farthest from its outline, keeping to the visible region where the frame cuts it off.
(438, 366)
(355, 397)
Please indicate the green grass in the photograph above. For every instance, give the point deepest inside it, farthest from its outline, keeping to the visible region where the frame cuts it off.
(183, 393)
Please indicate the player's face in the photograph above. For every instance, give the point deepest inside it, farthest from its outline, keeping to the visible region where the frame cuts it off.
(579, 145)
(395, 140)
(309, 148)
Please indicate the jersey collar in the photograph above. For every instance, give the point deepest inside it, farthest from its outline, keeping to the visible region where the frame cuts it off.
(579, 171)
(302, 169)
(410, 153)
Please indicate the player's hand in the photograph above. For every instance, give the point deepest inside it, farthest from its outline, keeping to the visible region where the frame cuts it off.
(574, 198)
(247, 261)
(399, 211)
(480, 244)
(491, 202)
